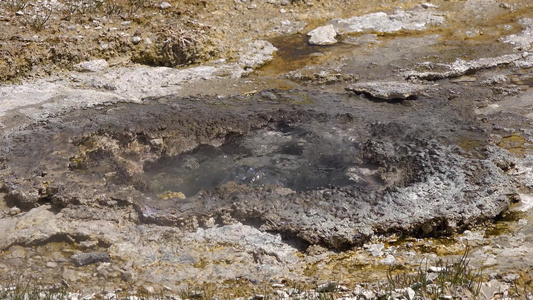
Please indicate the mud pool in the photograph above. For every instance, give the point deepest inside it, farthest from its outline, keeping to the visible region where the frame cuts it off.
(282, 155)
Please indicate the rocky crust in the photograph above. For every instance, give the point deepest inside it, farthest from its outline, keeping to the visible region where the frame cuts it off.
(394, 166)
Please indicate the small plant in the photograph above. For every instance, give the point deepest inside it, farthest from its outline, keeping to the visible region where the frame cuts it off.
(450, 276)
(89, 7)
(71, 7)
(40, 17)
(135, 5)
(29, 290)
(112, 7)
(17, 5)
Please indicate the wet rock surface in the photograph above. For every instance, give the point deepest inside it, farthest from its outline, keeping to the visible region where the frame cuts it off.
(388, 90)
(417, 19)
(366, 175)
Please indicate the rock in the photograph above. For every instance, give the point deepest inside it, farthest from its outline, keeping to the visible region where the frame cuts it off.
(383, 22)
(361, 292)
(281, 294)
(523, 40)
(320, 75)
(461, 67)
(136, 40)
(324, 35)
(494, 287)
(14, 211)
(269, 95)
(375, 250)
(165, 5)
(92, 66)
(510, 278)
(24, 196)
(388, 260)
(51, 264)
(195, 294)
(410, 293)
(210, 223)
(329, 287)
(388, 90)
(110, 296)
(88, 244)
(83, 259)
(504, 5)
(256, 54)
(527, 62)
(434, 269)
(497, 79)
(343, 288)
(127, 276)
(472, 236)
(429, 5)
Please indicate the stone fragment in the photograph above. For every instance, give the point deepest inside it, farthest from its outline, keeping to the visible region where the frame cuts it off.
(504, 5)
(324, 35)
(461, 67)
(410, 293)
(51, 264)
(14, 211)
(127, 276)
(24, 197)
(429, 5)
(434, 269)
(527, 62)
(88, 244)
(83, 259)
(375, 250)
(524, 39)
(328, 287)
(281, 294)
(256, 54)
(388, 90)
(510, 278)
(92, 65)
(165, 5)
(388, 23)
(136, 40)
(110, 296)
(388, 260)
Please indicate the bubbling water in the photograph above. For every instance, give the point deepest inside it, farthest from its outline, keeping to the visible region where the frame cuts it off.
(282, 155)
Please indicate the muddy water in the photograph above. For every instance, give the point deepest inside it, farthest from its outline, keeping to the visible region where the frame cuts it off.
(298, 157)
